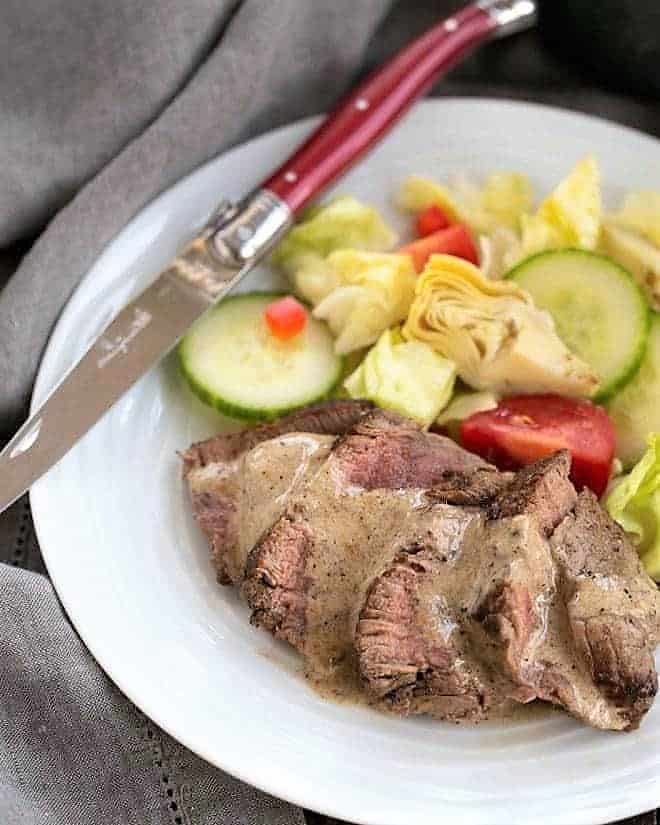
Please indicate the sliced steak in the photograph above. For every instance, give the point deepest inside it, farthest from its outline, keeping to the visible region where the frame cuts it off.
(413, 655)
(464, 605)
(512, 615)
(381, 551)
(613, 614)
(582, 635)
(476, 487)
(386, 451)
(239, 482)
(330, 418)
(370, 488)
(541, 490)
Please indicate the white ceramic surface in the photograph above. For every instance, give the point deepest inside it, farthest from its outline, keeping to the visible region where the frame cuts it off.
(133, 574)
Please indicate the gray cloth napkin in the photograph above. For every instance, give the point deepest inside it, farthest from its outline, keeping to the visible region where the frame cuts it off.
(103, 105)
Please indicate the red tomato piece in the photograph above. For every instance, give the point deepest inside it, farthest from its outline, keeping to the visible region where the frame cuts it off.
(455, 240)
(524, 428)
(431, 220)
(286, 318)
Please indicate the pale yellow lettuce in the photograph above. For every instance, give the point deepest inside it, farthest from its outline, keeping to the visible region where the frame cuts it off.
(500, 202)
(344, 223)
(464, 404)
(418, 193)
(636, 254)
(369, 293)
(407, 377)
(635, 504)
(641, 213)
(571, 214)
(497, 338)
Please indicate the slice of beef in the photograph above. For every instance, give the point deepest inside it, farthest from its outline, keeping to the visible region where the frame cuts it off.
(413, 655)
(596, 608)
(371, 487)
(513, 615)
(475, 487)
(613, 613)
(462, 611)
(386, 451)
(330, 418)
(541, 490)
(239, 482)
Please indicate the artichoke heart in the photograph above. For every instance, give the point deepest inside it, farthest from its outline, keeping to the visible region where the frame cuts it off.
(492, 331)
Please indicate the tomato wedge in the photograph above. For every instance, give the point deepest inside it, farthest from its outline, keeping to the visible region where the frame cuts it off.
(524, 428)
(286, 318)
(455, 240)
(431, 220)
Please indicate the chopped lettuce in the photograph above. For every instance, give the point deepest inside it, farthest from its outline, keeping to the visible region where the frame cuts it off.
(498, 251)
(538, 235)
(640, 257)
(340, 224)
(418, 193)
(500, 202)
(570, 216)
(370, 292)
(464, 404)
(407, 377)
(503, 199)
(641, 213)
(635, 504)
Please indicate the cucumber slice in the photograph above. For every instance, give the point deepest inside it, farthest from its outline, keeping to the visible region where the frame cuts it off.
(233, 363)
(635, 411)
(599, 310)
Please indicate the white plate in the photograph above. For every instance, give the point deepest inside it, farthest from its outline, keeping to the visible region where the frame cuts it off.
(133, 573)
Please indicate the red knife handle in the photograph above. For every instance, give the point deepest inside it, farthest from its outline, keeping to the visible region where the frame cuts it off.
(368, 111)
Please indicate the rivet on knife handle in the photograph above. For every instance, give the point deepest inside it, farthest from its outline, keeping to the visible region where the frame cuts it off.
(238, 237)
(359, 121)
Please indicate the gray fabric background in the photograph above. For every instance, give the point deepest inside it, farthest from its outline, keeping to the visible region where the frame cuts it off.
(103, 105)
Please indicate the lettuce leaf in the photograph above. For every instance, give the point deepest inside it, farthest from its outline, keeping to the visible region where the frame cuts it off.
(407, 377)
(370, 292)
(571, 214)
(635, 504)
(500, 202)
(418, 193)
(641, 213)
(340, 224)
(464, 404)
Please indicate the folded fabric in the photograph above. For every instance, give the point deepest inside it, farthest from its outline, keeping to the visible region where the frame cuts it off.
(152, 89)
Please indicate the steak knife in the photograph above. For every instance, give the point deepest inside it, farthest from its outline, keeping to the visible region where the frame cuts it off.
(238, 237)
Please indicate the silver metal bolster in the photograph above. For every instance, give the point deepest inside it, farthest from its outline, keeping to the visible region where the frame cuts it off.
(255, 227)
(510, 15)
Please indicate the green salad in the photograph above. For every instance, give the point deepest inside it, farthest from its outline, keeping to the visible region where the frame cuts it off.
(513, 325)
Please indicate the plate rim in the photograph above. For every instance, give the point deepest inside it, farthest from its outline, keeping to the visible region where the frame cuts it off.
(295, 793)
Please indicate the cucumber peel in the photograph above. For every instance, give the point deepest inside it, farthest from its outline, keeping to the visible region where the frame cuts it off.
(233, 363)
(599, 310)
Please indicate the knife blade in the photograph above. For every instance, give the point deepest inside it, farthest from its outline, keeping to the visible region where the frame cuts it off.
(237, 238)
(140, 335)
